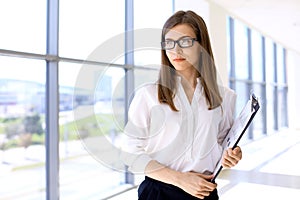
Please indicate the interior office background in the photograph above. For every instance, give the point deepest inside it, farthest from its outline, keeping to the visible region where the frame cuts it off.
(47, 48)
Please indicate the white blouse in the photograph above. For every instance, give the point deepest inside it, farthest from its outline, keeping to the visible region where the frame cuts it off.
(188, 140)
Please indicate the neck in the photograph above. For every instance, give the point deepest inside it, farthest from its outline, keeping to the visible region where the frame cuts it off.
(189, 79)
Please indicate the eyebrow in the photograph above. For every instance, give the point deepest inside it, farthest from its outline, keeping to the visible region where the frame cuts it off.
(185, 36)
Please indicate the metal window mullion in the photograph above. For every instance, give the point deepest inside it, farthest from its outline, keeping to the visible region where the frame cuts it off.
(249, 85)
(52, 102)
(173, 6)
(19, 54)
(129, 61)
(275, 93)
(285, 90)
(264, 88)
(232, 53)
(249, 44)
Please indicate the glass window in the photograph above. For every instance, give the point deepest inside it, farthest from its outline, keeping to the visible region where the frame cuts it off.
(91, 117)
(23, 25)
(258, 123)
(282, 88)
(22, 128)
(257, 68)
(267, 78)
(270, 64)
(242, 95)
(148, 55)
(281, 74)
(147, 25)
(271, 117)
(282, 107)
(88, 25)
(144, 16)
(270, 89)
(241, 50)
(145, 76)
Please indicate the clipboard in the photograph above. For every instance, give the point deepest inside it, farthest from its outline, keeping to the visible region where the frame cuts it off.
(238, 129)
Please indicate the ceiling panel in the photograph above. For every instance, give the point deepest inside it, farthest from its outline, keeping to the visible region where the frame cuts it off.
(277, 19)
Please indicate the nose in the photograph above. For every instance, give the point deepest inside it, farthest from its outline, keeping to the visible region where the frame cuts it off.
(177, 48)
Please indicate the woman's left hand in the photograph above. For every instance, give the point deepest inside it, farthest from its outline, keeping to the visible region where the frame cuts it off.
(231, 157)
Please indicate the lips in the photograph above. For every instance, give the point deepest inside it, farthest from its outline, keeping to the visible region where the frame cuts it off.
(178, 59)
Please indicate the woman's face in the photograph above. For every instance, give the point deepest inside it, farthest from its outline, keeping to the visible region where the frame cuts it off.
(183, 59)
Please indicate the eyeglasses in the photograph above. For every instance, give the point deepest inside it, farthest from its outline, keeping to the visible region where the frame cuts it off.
(183, 43)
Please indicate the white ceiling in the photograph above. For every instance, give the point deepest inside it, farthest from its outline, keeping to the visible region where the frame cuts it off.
(277, 19)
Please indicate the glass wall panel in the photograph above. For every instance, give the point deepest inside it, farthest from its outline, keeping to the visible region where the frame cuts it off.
(270, 109)
(270, 81)
(242, 98)
(22, 128)
(258, 124)
(242, 95)
(267, 78)
(282, 88)
(270, 62)
(86, 25)
(281, 73)
(258, 85)
(282, 107)
(144, 16)
(148, 29)
(89, 130)
(241, 50)
(145, 76)
(257, 56)
(23, 25)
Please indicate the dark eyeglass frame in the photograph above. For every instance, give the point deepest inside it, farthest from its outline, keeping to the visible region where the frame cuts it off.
(163, 46)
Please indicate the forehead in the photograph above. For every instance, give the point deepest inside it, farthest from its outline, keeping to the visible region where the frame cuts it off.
(179, 31)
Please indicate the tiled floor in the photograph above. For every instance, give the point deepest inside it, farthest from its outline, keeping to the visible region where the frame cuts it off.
(269, 170)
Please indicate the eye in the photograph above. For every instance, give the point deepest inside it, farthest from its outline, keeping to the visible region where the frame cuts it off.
(186, 41)
(169, 42)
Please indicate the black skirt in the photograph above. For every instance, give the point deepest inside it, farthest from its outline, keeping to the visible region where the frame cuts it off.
(151, 189)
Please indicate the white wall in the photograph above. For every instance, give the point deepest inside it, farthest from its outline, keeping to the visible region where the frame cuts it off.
(218, 37)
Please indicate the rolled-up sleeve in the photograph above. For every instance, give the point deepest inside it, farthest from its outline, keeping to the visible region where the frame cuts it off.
(136, 131)
(228, 108)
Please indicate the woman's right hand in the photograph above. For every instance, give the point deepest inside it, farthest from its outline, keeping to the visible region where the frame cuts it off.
(196, 184)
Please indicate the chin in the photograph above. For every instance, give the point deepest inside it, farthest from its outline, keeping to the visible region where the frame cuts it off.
(178, 69)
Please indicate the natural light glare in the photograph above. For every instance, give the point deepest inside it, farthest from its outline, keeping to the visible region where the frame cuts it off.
(23, 26)
(22, 69)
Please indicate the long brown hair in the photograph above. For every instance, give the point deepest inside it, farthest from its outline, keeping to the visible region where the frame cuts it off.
(206, 69)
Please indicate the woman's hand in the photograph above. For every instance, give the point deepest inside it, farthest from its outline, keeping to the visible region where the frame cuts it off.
(196, 184)
(231, 157)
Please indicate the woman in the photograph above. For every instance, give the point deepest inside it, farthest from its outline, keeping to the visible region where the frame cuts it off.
(176, 126)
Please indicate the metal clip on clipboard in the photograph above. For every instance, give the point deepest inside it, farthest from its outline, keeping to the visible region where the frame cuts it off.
(238, 129)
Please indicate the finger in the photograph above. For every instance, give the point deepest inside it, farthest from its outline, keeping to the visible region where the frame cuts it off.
(237, 150)
(234, 154)
(202, 194)
(206, 176)
(199, 196)
(230, 161)
(229, 156)
(208, 186)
